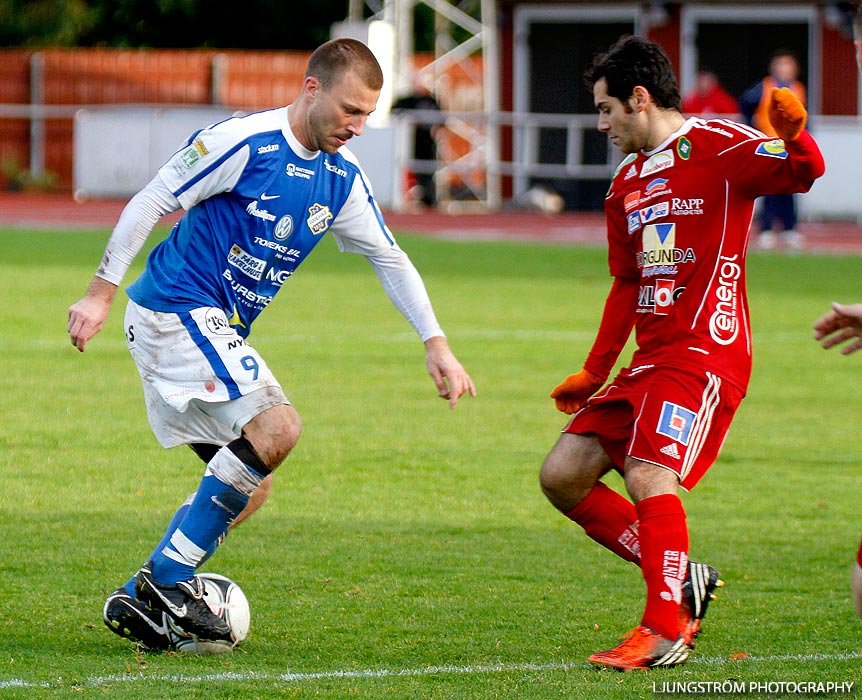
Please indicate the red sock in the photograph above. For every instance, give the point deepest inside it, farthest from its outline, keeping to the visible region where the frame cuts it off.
(859, 555)
(610, 519)
(664, 560)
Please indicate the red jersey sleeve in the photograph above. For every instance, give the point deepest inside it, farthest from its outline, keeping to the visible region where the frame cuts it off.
(618, 319)
(771, 166)
(806, 158)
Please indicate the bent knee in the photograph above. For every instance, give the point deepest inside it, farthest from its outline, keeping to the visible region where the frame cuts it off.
(560, 480)
(571, 470)
(274, 433)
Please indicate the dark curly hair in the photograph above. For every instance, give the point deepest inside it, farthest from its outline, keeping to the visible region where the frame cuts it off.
(633, 61)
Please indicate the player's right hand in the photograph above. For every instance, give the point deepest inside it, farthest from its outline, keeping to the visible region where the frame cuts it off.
(786, 114)
(86, 318)
(87, 315)
(575, 389)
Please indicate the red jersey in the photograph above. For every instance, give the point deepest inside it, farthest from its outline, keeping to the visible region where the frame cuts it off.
(678, 220)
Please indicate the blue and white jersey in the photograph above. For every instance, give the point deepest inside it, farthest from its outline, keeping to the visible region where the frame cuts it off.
(257, 203)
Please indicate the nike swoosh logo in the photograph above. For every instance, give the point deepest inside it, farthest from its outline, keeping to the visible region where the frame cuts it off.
(266, 196)
(178, 612)
(160, 629)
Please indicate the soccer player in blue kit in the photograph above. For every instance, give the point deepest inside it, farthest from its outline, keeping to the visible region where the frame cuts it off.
(259, 192)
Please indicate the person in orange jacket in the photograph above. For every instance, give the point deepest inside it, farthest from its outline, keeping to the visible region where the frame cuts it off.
(753, 103)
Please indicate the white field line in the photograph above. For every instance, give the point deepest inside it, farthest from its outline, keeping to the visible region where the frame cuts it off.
(447, 670)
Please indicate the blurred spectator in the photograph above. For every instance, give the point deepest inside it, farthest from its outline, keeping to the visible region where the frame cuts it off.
(709, 98)
(424, 136)
(780, 208)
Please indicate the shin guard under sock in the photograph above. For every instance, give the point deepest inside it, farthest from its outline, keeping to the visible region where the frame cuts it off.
(664, 560)
(166, 538)
(222, 494)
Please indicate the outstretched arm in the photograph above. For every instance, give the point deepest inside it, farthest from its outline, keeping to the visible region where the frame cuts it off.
(788, 117)
(140, 215)
(842, 323)
(405, 289)
(450, 377)
(617, 321)
(88, 314)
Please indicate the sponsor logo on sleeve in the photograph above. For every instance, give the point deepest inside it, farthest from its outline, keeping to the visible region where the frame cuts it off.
(634, 221)
(271, 148)
(189, 156)
(772, 149)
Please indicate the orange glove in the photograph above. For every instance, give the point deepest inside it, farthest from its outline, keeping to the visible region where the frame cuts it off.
(575, 389)
(787, 114)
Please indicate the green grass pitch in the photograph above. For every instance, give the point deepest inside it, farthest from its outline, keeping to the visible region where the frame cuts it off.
(406, 551)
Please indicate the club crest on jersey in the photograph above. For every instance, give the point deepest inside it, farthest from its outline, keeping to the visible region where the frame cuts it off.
(319, 218)
(656, 162)
(683, 148)
(772, 149)
(676, 422)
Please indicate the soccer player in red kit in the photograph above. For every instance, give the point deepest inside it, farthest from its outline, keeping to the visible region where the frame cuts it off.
(678, 214)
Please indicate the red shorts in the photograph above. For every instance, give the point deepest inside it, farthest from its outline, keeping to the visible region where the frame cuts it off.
(674, 418)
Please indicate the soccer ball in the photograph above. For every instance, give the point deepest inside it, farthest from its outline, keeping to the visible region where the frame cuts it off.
(226, 599)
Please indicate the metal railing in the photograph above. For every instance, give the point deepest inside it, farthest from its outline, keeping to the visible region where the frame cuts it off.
(478, 167)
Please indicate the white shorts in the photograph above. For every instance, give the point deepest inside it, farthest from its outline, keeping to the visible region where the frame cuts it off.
(202, 381)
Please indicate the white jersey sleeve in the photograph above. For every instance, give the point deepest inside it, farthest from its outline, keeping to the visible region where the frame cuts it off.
(360, 228)
(405, 289)
(133, 228)
(213, 159)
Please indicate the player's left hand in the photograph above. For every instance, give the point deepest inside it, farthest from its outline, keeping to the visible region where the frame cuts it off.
(450, 377)
(786, 114)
